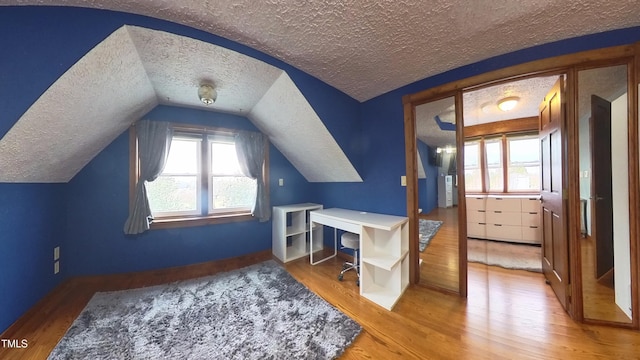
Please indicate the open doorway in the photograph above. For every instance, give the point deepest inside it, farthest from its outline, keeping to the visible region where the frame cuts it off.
(503, 169)
(507, 154)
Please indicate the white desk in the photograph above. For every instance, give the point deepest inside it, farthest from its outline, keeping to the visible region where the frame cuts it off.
(384, 250)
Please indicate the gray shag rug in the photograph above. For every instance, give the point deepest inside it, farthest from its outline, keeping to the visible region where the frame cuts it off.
(427, 230)
(505, 254)
(257, 312)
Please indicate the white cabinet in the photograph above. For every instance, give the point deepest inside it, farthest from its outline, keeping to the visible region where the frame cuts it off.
(291, 231)
(511, 218)
(445, 191)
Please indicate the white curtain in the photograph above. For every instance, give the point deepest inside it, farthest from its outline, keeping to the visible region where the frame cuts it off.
(154, 142)
(250, 147)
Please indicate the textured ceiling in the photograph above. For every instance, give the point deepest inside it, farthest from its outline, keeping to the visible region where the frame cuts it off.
(367, 48)
(138, 69)
(74, 120)
(480, 106)
(300, 135)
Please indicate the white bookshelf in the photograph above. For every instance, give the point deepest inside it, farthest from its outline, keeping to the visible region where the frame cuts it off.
(291, 231)
(385, 262)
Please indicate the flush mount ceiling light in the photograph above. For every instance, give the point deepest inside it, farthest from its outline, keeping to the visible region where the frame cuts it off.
(207, 94)
(508, 103)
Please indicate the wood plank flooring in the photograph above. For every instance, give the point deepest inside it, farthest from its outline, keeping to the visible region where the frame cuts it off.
(440, 266)
(508, 315)
(599, 296)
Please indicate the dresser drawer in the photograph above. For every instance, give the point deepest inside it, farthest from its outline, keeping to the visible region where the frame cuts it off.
(531, 204)
(475, 202)
(504, 218)
(477, 216)
(476, 230)
(504, 232)
(531, 234)
(504, 204)
(530, 219)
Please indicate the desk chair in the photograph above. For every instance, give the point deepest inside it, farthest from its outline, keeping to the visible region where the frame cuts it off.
(351, 241)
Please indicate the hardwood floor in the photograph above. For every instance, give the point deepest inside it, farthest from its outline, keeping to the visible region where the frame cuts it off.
(508, 314)
(598, 296)
(440, 267)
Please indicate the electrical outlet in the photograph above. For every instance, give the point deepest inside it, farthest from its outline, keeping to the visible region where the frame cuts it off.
(281, 182)
(56, 267)
(403, 180)
(56, 253)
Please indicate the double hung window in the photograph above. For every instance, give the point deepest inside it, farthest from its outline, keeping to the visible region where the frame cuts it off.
(202, 181)
(508, 163)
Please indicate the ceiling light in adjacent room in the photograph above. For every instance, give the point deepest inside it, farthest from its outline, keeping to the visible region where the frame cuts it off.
(508, 103)
(207, 94)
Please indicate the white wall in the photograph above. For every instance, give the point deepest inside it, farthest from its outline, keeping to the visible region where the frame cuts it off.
(620, 197)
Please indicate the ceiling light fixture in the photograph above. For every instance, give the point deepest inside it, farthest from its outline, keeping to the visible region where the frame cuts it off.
(207, 94)
(508, 103)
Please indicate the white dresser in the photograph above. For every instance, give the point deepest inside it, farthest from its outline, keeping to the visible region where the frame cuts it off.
(514, 218)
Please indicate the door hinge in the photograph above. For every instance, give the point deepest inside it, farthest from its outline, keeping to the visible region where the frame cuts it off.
(569, 292)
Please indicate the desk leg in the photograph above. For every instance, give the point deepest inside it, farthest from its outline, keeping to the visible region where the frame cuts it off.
(335, 246)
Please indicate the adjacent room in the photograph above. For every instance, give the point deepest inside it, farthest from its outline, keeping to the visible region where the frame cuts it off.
(319, 180)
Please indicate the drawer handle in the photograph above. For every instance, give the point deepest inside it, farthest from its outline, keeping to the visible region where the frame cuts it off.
(498, 198)
(497, 224)
(533, 227)
(481, 211)
(497, 211)
(482, 223)
(533, 213)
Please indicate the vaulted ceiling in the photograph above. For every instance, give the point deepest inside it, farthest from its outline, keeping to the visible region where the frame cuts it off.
(135, 69)
(362, 48)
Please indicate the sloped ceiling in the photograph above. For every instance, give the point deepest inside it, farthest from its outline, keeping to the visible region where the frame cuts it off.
(79, 115)
(367, 48)
(297, 131)
(135, 69)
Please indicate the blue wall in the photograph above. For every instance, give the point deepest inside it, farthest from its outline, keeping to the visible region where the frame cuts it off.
(98, 207)
(43, 42)
(32, 218)
(428, 187)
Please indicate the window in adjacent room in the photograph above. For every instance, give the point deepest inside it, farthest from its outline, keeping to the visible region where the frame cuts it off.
(523, 168)
(472, 167)
(493, 153)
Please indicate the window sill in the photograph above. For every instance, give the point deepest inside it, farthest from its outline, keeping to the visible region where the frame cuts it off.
(179, 222)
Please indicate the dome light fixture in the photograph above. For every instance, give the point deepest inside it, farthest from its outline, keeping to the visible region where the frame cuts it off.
(207, 94)
(508, 103)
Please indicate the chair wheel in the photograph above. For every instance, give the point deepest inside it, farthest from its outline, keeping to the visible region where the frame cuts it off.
(340, 277)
